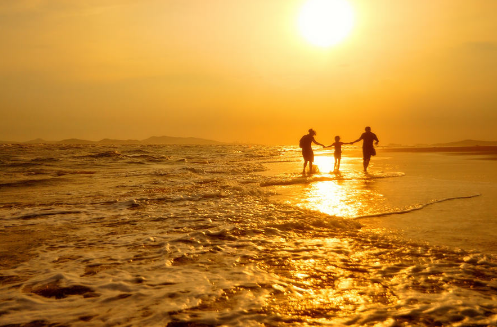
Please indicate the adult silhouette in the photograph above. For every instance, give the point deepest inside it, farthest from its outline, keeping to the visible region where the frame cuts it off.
(368, 149)
(307, 152)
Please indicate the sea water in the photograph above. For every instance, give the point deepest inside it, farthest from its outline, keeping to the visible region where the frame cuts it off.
(236, 236)
(455, 192)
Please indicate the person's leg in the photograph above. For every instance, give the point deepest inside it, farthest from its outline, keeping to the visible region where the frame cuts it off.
(311, 161)
(338, 163)
(366, 157)
(304, 156)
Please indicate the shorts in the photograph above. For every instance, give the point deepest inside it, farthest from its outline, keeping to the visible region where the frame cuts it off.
(308, 155)
(338, 155)
(368, 152)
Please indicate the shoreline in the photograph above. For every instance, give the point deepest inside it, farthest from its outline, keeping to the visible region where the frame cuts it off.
(490, 151)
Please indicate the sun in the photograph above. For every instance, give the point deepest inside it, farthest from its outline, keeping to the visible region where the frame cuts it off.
(325, 23)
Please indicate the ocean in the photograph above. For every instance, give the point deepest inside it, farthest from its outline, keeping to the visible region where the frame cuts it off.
(235, 235)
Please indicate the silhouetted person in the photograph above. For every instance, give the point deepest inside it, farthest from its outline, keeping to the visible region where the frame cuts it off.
(367, 146)
(306, 145)
(338, 152)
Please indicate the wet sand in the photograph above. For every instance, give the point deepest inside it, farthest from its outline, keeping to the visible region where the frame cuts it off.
(466, 223)
(489, 152)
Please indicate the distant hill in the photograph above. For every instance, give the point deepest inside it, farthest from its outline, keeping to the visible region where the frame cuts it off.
(177, 140)
(468, 143)
(111, 141)
(35, 141)
(151, 140)
(66, 141)
(75, 141)
(464, 143)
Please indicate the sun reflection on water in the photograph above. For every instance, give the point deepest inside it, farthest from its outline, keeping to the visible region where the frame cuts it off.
(329, 275)
(347, 193)
(333, 280)
(325, 163)
(331, 197)
(340, 198)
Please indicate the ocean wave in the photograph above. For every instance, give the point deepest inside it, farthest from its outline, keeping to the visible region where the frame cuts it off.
(315, 221)
(36, 215)
(138, 151)
(133, 156)
(236, 169)
(76, 172)
(149, 157)
(19, 164)
(295, 181)
(105, 154)
(300, 179)
(201, 243)
(54, 287)
(32, 183)
(416, 207)
(45, 159)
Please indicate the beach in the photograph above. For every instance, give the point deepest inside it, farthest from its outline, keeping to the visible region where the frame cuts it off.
(468, 225)
(236, 236)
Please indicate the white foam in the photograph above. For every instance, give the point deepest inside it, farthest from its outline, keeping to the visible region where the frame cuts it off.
(201, 242)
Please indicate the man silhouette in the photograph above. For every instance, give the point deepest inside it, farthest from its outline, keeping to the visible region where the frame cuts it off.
(306, 145)
(367, 146)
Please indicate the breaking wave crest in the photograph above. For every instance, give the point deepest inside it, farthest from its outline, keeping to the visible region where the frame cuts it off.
(416, 207)
(356, 176)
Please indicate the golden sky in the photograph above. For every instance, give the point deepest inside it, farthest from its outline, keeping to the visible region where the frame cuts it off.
(416, 71)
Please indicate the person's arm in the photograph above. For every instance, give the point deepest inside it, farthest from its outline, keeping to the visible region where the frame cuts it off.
(316, 142)
(356, 140)
(376, 138)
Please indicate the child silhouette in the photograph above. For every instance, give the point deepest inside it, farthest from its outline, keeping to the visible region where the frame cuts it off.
(338, 152)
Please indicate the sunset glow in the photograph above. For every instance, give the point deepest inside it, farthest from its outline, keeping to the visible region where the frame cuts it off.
(248, 71)
(248, 163)
(326, 22)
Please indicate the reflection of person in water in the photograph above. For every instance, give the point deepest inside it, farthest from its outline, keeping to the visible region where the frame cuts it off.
(367, 146)
(338, 152)
(306, 145)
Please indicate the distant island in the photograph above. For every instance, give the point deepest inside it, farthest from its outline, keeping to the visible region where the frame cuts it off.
(473, 147)
(171, 140)
(468, 143)
(464, 143)
(168, 140)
